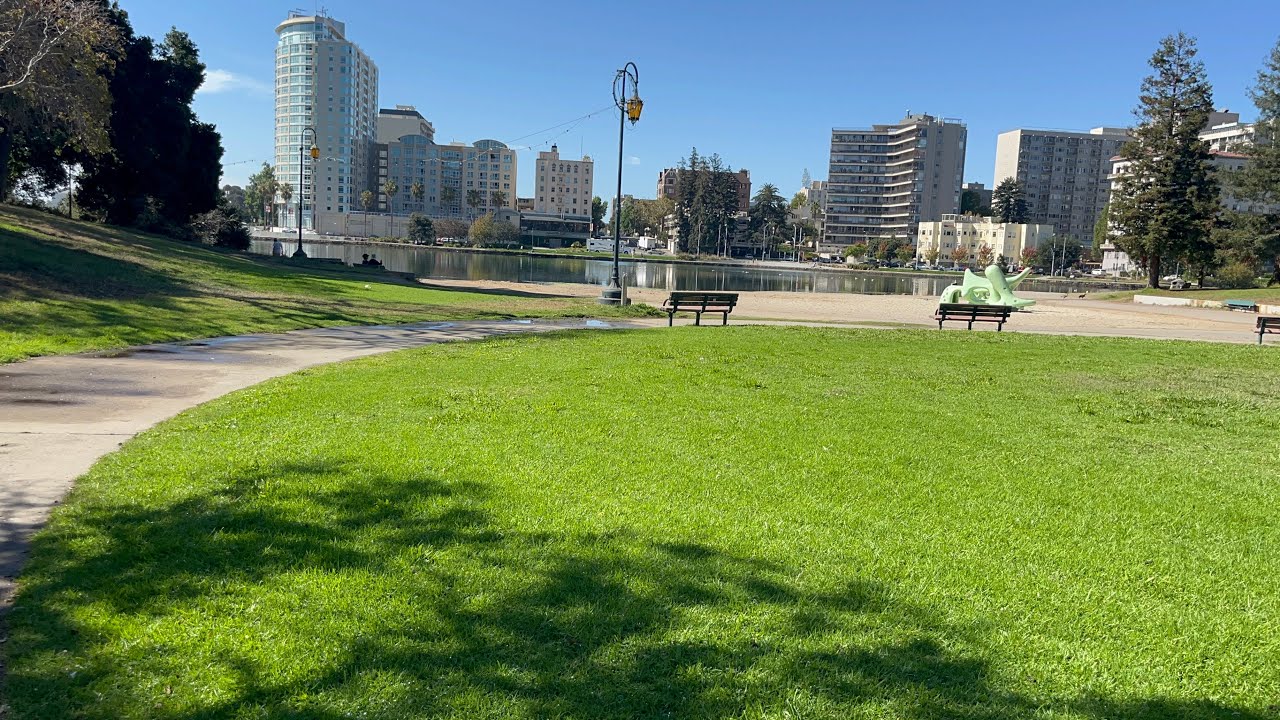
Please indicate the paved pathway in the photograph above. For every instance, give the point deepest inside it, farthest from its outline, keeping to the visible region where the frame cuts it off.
(58, 415)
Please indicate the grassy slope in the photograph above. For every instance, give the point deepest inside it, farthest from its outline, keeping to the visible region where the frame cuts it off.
(69, 286)
(692, 523)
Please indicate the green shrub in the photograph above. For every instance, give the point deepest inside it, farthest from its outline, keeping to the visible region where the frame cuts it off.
(1235, 275)
(421, 229)
(222, 226)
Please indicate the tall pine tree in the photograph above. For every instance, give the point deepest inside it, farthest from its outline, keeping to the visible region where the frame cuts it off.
(1008, 202)
(1259, 182)
(706, 198)
(1165, 205)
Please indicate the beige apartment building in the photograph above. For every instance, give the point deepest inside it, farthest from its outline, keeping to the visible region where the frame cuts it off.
(971, 233)
(885, 180)
(457, 180)
(1063, 173)
(563, 187)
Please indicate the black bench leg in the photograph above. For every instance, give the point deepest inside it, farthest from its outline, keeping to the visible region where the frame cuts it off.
(939, 324)
(1259, 337)
(697, 320)
(671, 318)
(970, 324)
(1000, 326)
(726, 318)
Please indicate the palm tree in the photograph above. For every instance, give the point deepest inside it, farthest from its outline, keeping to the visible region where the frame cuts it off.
(447, 195)
(417, 191)
(391, 188)
(474, 198)
(286, 194)
(366, 202)
(497, 198)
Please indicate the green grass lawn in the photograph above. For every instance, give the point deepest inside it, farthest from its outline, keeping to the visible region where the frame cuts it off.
(742, 522)
(69, 287)
(1266, 296)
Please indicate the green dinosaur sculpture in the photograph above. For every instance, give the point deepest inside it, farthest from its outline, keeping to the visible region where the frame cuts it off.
(994, 289)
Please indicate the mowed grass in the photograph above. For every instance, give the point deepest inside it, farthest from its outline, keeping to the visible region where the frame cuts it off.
(70, 287)
(741, 522)
(1265, 296)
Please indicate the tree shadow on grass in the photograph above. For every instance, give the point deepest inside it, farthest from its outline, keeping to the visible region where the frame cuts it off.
(36, 269)
(546, 623)
(500, 291)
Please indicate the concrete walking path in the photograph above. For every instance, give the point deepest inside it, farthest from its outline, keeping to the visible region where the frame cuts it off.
(59, 415)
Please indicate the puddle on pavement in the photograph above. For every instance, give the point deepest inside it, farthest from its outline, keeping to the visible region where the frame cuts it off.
(40, 401)
(131, 352)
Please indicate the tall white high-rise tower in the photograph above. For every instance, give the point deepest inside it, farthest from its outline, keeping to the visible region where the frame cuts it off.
(327, 83)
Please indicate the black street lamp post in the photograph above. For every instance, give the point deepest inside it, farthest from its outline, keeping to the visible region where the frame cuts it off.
(302, 188)
(628, 109)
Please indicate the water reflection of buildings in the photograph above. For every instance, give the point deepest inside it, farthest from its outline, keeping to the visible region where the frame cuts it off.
(428, 263)
(655, 275)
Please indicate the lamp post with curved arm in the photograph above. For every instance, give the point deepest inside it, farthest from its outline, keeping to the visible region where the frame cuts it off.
(628, 109)
(302, 189)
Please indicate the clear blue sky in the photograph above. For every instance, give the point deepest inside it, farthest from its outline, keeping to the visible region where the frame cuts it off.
(760, 83)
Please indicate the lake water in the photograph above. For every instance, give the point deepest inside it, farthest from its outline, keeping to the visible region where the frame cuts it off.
(445, 264)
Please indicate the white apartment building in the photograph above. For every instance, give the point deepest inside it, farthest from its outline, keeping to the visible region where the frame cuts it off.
(563, 187)
(1064, 174)
(883, 181)
(971, 233)
(324, 82)
(1225, 133)
(814, 196)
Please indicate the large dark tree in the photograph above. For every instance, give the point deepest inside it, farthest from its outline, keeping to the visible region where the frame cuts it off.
(164, 164)
(1259, 182)
(1166, 204)
(706, 198)
(768, 216)
(1008, 202)
(599, 208)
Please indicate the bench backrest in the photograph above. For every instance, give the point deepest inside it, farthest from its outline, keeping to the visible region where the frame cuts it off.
(685, 297)
(974, 310)
(1267, 321)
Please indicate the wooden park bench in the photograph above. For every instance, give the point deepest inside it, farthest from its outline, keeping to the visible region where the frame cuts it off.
(1267, 324)
(972, 314)
(1245, 305)
(699, 302)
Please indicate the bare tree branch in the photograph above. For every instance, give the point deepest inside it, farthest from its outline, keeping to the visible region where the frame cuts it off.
(37, 34)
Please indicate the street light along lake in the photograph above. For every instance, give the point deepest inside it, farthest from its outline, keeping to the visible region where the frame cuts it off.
(445, 264)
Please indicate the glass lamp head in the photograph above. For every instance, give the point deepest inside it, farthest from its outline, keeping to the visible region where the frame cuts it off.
(634, 106)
